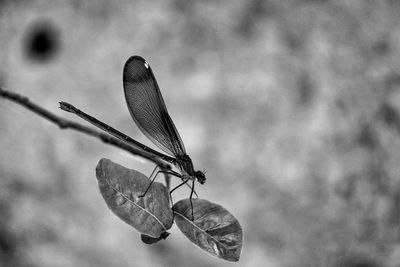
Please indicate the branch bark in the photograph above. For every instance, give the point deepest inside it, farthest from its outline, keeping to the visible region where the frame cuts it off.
(68, 124)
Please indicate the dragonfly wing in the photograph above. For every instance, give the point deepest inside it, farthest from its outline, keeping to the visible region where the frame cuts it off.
(147, 107)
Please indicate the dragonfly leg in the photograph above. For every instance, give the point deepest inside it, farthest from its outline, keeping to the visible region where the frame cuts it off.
(152, 173)
(152, 180)
(179, 176)
(191, 195)
(184, 182)
(176, 187)
(194, 192)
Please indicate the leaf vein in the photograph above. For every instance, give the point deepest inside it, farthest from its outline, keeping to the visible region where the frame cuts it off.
(128, 199)
(216, 240)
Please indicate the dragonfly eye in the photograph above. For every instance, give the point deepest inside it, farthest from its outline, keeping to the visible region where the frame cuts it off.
(200, 177)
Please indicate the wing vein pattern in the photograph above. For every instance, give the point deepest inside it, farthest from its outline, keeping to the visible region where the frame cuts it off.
(147, 107)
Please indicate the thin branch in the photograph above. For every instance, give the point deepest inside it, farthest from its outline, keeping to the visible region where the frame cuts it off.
(67, 124)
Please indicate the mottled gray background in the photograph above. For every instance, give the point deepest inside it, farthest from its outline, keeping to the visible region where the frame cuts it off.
(292, 107)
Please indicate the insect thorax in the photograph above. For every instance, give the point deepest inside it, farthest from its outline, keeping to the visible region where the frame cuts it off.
(185, 165)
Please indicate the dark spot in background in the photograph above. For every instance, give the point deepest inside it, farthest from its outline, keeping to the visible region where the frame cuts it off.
(42, 42)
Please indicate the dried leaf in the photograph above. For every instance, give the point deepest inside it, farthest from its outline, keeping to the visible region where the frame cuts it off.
(213, 228)
(121, 187)
(151, 240)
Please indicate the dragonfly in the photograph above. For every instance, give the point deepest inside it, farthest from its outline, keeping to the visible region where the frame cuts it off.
(148, 110)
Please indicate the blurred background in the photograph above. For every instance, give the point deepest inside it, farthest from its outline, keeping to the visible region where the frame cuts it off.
(292, 107)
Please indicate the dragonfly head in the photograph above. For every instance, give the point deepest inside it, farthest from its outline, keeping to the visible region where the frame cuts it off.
(200, 176)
